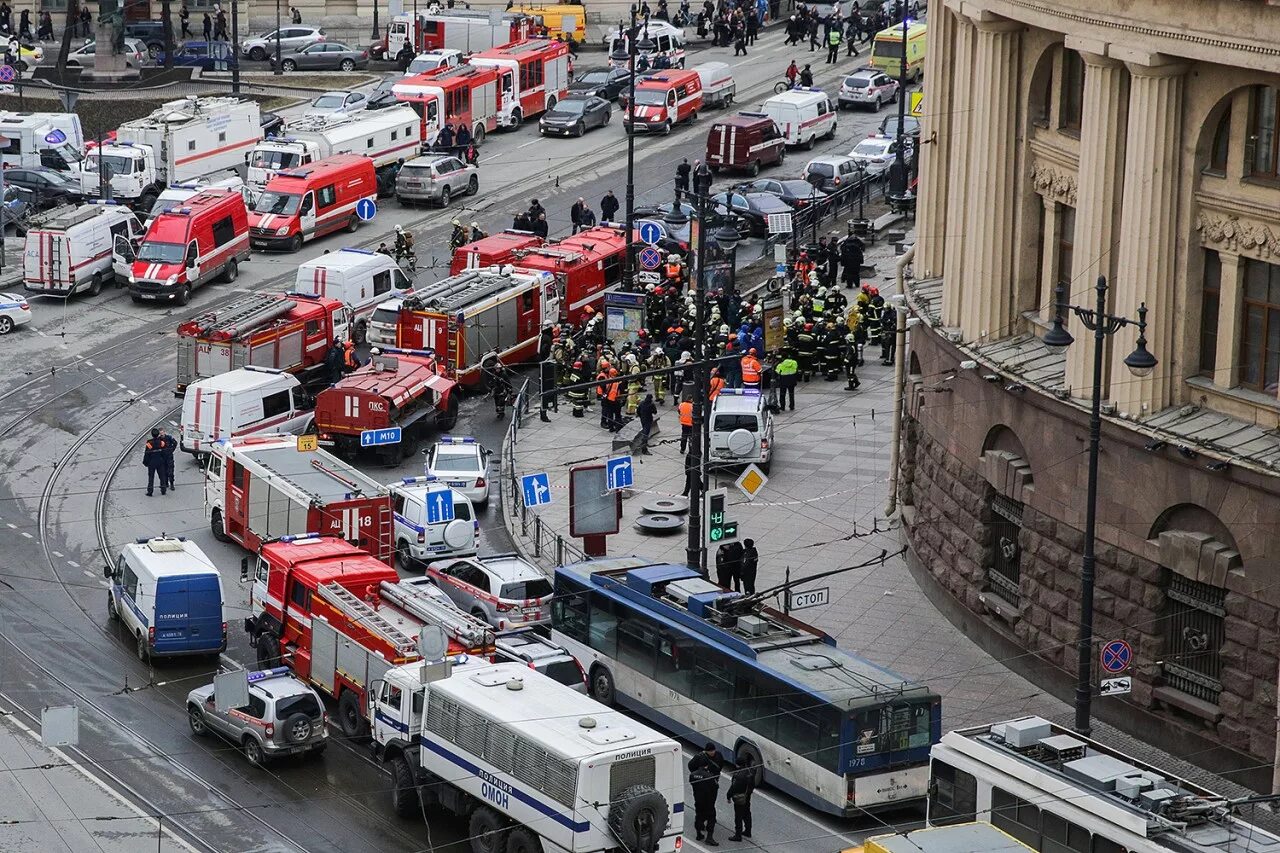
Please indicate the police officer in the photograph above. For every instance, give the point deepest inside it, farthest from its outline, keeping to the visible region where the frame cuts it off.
(168, 446)
(741, 787)
(153, 458)
(747, 569)
(807, 347)
(888, 332)
(786, 370)
(704, 778)
(833, 45)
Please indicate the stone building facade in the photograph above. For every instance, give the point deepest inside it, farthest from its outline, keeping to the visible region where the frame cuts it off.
(1139, 141)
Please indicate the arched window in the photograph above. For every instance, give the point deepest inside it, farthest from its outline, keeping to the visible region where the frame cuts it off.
(1262, 154)
(1072, 106)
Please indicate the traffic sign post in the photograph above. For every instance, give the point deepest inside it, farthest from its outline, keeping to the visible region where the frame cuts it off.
(308, 443)
(719, 528)
(366, 209)
(1115, 686)
(650, 231)
(440, 506)
(619, 473)
(1116, 656)
(650, 258)
(7, 73)
(379, 437)
(536, 489)
(751, 481)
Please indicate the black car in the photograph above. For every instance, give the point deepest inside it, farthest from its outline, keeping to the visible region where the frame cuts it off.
(911, 126)
(272, 124)
(381, 98)
(575, 116)
(794, 191)
(607, 83)
(752, 210)
(47, 187)
(150, 32)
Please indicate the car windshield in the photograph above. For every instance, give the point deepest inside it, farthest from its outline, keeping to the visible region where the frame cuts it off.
(729, 423)
(411, 171)
(161, 253)
(571, 107)
(651, 97)
(303, 703)
(856, 82)
(455, 462)
(273, 202)
(418, 66)
(593, 77)
(387, 316)
(329, 102)
(265, 159)
(869, 148)
(162, 204)
(533, 588)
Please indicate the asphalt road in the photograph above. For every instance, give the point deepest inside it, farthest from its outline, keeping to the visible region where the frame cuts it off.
(87, 379)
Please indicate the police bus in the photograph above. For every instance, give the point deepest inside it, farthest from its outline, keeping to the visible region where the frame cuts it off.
(827, 727)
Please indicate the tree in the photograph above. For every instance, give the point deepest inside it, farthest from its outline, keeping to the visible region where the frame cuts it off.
(68, 33)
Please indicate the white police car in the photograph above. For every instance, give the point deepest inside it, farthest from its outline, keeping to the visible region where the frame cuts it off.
(417, 540)
(463, 464)
(284, 716)
(741, 429)
(14, 312)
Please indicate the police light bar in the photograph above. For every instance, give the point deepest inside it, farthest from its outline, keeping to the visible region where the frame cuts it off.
(263, 674)
(425, 353)
(257, 368)
(413, 481)
(301, 538)
(358, 251)
(449, 439)
(741, 392)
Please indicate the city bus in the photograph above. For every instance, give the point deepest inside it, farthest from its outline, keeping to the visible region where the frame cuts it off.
(1055, 790)
(824, 726)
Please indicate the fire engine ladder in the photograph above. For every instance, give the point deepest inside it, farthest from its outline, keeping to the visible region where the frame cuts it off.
(56, 260)
(361, 612)
(253, 310)
(460, 626)
(451, 345)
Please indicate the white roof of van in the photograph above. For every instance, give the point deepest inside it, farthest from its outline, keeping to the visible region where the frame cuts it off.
(174, 557)
(242, 379)
(797, 97)
(347, 259)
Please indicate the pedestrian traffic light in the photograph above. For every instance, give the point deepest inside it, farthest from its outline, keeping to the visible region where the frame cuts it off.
(718, 526)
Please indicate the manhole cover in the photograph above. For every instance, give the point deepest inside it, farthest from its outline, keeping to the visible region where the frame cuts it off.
(671, 506)
(659, 523)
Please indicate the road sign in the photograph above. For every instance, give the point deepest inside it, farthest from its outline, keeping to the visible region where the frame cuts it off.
(366, 209)
(779, 223)
(1115, 686)
(379, 437)
(307, 443)
(7, 73)
(917, 104)
(1116, 656)
(650, 231)
(618, 473)
(650, 258)
(751, 481)
(719, 528)
(230, 690)
(440, 506)
(808, 598)
(536, 488)
(648, 277)
(60, 726)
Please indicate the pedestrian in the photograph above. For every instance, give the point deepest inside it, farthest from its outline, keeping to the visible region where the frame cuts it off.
(540, 226)
(851, 256)
(462, 138)
(682, 177)
(6, 18)
(747, 572)
(833, 45)
(685, 410)
(851, 36)
(294, 15)
(609, 207)
(588, 218)
(704, 779)
(792, 73)
(207, 27)
(220, 26)
(168, 447)
(648, 415)
(732, 566)
(741, 786)
(444, 139)
(575, 214)
(45, 31)
(535, 207)
(153, 458)
(806, 76)
(184, 15)
(24, 25)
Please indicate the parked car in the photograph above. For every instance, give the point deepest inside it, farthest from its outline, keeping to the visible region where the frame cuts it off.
(910, 126)
(284, 716)
(29, 55)
(48, 188)
(503, 589)
(575, 115)
(290, 38)
(607, 83)
(206, 55)
(868, 87)
(339, 101)
(14, 312)
(830, 174)
(382, 97)
(136, 54)
(795, 192)
(463, 463)
(323, 56)
(150, 33)
(436, 178)
(875, 153)
(751, 209)
(430, 60)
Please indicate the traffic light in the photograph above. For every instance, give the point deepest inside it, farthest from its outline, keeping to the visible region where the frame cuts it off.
(718, 526)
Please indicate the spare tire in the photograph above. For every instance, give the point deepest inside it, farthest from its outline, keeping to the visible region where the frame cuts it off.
(297, 728)
(638, 818)
(458, 533)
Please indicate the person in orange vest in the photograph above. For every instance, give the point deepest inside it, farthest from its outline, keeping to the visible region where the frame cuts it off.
(751, 370)
(601, 378)
(675, 269)
(613, 401)
(349, 360)
(804, 265)
(686, 423)
(717, 385)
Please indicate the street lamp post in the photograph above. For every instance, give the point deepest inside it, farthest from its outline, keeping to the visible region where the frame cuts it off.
(1140, 363)
(632, 48)
(898, 169)
(235, 47)
(278, 70)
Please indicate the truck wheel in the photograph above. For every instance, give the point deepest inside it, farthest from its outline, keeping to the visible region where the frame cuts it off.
(477, 135)
(348, 65)
(217, 528)
(295, 244)
(516, 119)
(486, 830)
(268, 650)
(404, 558)
(450, 418)
(232, 272)
(601, 685)
(523, 840)
(350, 721)
(184, 294)
(95, 284)
(404, 793)
(352, 224)
(112, 613)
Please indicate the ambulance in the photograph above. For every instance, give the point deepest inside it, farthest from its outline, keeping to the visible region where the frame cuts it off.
(664, 100)
(312, 201)
(69, 250)
(246, 401)
(802, 114)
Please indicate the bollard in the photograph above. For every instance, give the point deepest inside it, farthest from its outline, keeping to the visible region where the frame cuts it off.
(559, 550)
(537, 536)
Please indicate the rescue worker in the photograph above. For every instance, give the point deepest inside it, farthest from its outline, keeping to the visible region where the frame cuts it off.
(685, 410)
(704, 778)
(404, 246)
(577, 396)
(786, 372)
(851, 362)
(807, 350)
(647, 411)
(715, 386)
(333, 361)
(832, 353)
(871, 318)
(602, 378)
(751, 370)
(888, 333)
(747, 572)
(168, 446)
(153, 458)
(349, 360)
(804, 265)
(741, 787)
(658, 360)
(459, 236)
(501, 389)
(613, 398)
(674, 271)
(635, 383)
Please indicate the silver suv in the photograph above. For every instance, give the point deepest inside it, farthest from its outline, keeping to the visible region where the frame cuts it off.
(284, 717)
(503, 589)
(436, 179)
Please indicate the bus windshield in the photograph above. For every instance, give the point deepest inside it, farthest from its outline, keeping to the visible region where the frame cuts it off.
(888, 48)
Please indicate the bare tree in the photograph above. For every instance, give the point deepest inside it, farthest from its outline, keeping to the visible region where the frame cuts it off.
(68, 33)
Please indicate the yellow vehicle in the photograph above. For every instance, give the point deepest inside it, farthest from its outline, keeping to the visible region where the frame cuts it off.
(560, 19)
(960, 838)
(886, 51)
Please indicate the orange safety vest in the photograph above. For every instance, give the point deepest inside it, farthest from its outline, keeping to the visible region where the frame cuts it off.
(600, 380)
(673, 270)
(750, 370)
(686, 413)
(717, 385)
(612, 395)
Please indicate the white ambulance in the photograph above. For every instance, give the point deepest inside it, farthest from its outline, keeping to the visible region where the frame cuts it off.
(69, 248)
(358, 277)
(245, 401)
(803, 115)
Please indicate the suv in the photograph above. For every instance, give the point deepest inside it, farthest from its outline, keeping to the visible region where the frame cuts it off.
(436, 178)
(537, 652)
(151, 33)
(461, 462)
(503, 590)
(868, 87)
(831, 174)
(284, 717)
(741, 429)
(291, 38)
(417, 539)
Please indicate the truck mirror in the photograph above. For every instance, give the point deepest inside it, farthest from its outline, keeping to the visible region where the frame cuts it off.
(108, 572)
(244, 569)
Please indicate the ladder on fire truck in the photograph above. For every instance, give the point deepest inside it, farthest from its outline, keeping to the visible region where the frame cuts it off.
(562, 256)
(363, 613)
(243, 314)
(466, 629)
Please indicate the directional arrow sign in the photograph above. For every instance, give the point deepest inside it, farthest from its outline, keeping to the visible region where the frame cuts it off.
(650, 231)
(536, 488)
(440, 506)
(379, 437)
(366, 209)
(618, 473)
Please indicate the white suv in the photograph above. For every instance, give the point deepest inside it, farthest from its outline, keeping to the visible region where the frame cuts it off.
(463, 464)
(417, 540)
(501, 589)
(284, 717)
(741, 429)
(292, 37)
(868, 87)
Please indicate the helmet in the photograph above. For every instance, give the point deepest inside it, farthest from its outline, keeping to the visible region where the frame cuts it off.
(724, 329)
(399, 229)
(613, 371)
(475, 224)
(642, 334)
(808, 327)
(752, 351)
(577, 365)
(786, 322)
(649, 288)
(849, 337)
(673, 257)
(457, 224)
(604, 365)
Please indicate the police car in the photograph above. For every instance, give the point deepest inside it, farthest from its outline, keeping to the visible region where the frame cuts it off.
(741, 429)
(14, 312)
(504, 590)
(418, 540)
(463, 464)
(283, 717)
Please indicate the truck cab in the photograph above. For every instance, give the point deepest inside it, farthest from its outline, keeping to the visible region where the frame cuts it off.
(277, 154)
(130, 168)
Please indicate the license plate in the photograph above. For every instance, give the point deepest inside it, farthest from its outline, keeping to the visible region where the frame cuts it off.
(149, 295)
(259, 242)
(456, 484)
(533, 615)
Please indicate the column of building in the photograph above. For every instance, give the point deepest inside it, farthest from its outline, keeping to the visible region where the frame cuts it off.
(957, 193)
(935, 148)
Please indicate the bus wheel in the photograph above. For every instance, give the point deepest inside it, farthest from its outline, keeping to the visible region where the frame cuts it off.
(486, 831)
(602, 685)
(745, 750)
(522, 840)
(349, 719)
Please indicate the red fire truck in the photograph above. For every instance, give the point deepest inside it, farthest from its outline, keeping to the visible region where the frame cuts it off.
(481, 315)
(586, 265)
(461, 29)
(397, 388)
(290, 332)
(463, 93)
(493, 250)
(340, 619)
(259, 488)
(533, 76)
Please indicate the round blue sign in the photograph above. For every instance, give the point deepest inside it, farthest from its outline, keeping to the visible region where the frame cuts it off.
(366, 209)
(7, 73)
(650, 258)
(650, 232)
(1116, 656)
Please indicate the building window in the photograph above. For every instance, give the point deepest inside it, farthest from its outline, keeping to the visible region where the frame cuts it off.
(1221, 146)
(1066, 246)
(1072, 106)
(1260, 327)
(1209, 300)
(1004, 571)
(1264, 143)
(1042, 95)
(1193, 632)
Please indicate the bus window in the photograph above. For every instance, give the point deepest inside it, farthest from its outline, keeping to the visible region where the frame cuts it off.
(713, 682)
(637, 646)
(755, 704)
(1016, 816)
(1062, 836)
(953, 795)
(603, 636)
(675, 664)
(569, 613)
(797, 723)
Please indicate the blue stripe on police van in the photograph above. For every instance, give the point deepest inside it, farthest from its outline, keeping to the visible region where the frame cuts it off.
(395, 724)
(547, 810)
(122, 596)
(409, 524)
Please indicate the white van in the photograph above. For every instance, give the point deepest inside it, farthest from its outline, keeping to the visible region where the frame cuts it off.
(53, 140)
(384, 323)
(741, 428)
(69, 248)
(718, 85)
(802, 115)
(174, 195)
(668, 41)
(417, 540)
(168, 597)
(360, 278)
(244, 401)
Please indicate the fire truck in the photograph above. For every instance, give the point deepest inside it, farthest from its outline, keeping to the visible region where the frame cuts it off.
(259, 488)
(475, 318)
(493, 250)
(290, 332)
(461, 29)
(397, 388)
(533, 76)
(349, 619)
(585, 265)
(463, 93)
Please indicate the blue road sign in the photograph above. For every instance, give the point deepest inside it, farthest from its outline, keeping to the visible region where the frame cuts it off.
(7, 73)
(379, 437)
(650, 231)
(1116, 656)
(366, 209)
(440, 506)
(650, 258)
(536, 488)
(618, 473)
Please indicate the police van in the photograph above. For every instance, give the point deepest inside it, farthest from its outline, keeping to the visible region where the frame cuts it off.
(741, 428)
(244, 401)
(419, 540)
(168, 596)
